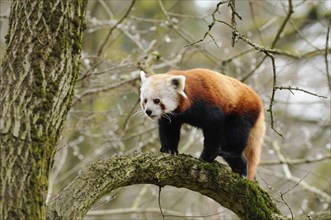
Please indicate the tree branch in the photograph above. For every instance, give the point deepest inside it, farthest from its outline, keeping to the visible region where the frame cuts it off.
(296, 161)
(214, 180)
(232, 5)
(326, 55)
(114, 27)
(282, 27)
(299, 89)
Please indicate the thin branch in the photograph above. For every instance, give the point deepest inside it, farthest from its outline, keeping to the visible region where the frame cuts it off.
(295, 185)
(272, 99)
(210, 26)
(126, 121)
(326, 56)
(282, 194)
(255, 21)
(298, 89)
(306, 55)
(281, 28)
(295, 161)
(281, 157)
(102, 89)
(114, 27)
(185, 36)
(224, 62)
(195, 216)
(320, 193)
(232, 5)
(253, 71)
(124, 211)
(159, 202)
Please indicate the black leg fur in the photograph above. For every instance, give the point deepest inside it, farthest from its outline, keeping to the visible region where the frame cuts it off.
(225, 135)
(212, 144)
(236, 133)
(238, 164)
(169, 133)
(236, 137)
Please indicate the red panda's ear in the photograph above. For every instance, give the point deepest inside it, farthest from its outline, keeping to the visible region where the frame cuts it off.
(178, 82)
(142, 76)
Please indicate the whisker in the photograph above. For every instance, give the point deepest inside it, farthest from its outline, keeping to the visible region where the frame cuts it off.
(137, 113)
(167, 116)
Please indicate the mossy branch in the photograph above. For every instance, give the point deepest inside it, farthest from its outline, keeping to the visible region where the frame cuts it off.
(214, 180)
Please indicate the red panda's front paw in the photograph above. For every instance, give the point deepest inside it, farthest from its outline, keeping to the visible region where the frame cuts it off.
(168, 150)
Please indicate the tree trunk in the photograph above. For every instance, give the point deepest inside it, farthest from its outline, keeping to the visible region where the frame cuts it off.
(37, 78)
(214, 180)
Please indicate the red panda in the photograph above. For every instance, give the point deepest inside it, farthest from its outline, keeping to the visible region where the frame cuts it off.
(229, 113)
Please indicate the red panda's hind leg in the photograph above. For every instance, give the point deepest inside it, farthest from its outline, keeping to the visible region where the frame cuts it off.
(212, 144)
(237, 131)
(238, 164)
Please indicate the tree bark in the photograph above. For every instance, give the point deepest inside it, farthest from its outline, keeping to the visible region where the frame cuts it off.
(214, 180)
(37, 78)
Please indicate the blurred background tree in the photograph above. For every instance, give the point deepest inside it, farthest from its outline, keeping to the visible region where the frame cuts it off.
(123, 37)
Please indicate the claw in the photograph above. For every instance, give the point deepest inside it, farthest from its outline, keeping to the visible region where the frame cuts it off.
(169, 151)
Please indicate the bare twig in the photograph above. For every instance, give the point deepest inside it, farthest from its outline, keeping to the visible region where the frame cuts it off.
(272, 99)
(320, 193)
(281, 157)
(296, 161)
(210, 26)
(282, 194)
(255, 21)
(195, 216)
(295, 185)
(298, 89)
(125, 124)
(123, 211)
(232, 5)
(103, 89)
(253, 71)
(185, 36)
(326, 55)
(159, 202)
(282, 26)
(114, 27)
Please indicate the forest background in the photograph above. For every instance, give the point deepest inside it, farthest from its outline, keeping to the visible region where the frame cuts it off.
(280, 48)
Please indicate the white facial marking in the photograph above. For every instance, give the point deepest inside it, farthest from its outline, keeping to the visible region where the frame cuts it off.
(158, 95)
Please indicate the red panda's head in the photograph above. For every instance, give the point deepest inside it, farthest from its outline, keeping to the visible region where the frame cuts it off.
(159, 93)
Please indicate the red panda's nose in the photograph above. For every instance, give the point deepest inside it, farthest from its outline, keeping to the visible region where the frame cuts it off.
(148, 112)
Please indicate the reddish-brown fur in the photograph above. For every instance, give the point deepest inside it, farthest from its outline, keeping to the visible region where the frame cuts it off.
(233, 97)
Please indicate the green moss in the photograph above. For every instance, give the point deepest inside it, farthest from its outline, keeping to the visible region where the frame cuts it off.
(212, 168)
(259, 203)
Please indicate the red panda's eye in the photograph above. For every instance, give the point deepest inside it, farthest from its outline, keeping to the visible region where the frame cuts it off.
(156, 101)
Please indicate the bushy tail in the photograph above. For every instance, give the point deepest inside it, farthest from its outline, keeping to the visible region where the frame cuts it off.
(253, 148)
